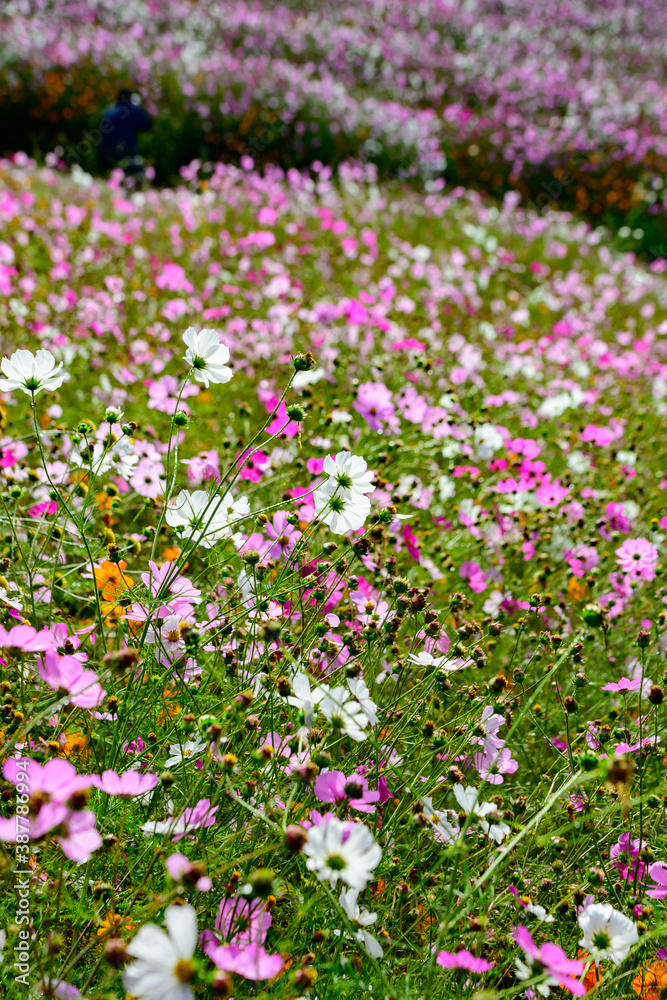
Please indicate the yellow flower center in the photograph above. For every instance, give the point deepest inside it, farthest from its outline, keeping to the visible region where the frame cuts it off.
(184, 971)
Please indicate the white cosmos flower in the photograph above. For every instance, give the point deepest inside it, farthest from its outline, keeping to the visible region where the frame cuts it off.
(442, 828)
(206, 519)
(344, 713)
(361, 919)
(424, 659)
(487, 440)
(349, 474)
(121, 456)
(608, 933)
(344, 512)
(467, 799)
(538, 911)
(164, 967)
(343, 494)
(31, 372)
(189, 750)
(348, 851)
(207, 356)
(359, 689)
(13, 602)
(304, 699)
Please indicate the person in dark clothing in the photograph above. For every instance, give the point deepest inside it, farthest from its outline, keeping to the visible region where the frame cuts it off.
(121, 124)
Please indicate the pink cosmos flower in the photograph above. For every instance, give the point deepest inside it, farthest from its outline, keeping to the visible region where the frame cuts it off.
(50, 788)
(658, 872)
(254, 468)
(638, 558)
(71, 642)
(549, 493)
(624, 856)
(243, 921)
(80, 838)
(374, 403)
(251, 962)
(598, 436)
(148, 478)
(174, 279)
(560, 970)
(196, 817)
(491, 768)
(617, 519)
(40, 509)
(26, 639)
(625, 684)
(581, 559)
(202, 467)
(475, 576)
(55, 781)
(463, 959)
(50, 815)
(181, 870)
(485, 733)
(333, 787)
(160, 579)
(283, 535)
(126, 785)
(66, 675)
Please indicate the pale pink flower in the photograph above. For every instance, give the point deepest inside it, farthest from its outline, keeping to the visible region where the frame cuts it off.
(638, 558)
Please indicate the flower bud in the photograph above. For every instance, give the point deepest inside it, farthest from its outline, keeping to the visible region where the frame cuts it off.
(115, 952)
(222, 984)
(296, 412)
(655, 695)
(303, 362)
(295, 838)
(260, 884)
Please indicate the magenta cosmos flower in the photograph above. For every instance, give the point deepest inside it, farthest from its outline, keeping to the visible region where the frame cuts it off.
(550, 960)
(625, 684)
(638, 558)
(242, 921)
(624, 856)
(463, 959)
(333, 786)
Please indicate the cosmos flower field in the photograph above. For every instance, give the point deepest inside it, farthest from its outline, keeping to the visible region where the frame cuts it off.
(333, 617)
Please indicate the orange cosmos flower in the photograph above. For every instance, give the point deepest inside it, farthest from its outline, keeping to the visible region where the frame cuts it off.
(650, 981)
(113, 585)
